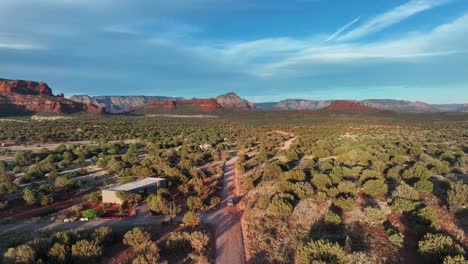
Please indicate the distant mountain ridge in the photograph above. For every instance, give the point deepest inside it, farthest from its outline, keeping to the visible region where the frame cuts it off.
(121, 104)
(401, 106)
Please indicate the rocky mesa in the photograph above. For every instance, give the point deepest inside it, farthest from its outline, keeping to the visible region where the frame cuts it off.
(27, 97)
(349, 106)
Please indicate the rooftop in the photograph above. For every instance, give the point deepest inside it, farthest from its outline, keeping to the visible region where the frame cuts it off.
(137, 184)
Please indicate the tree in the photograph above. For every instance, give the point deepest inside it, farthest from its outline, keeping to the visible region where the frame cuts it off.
(7, 183)
(20, 254)
(102, 234)
(138, 239)
(194, 203)
(435, 247)
(30, 196)
(280, 206)
(199, 241)
(375, 187)
(457, 196)
(321, 251)
(190, 219)
(23, 157)
(58, 253)
(273, 171)
(418, 170)
(296, 175)
(62, 181)
(86, 251)
(424, 186)
(321, 181)
(160, 202)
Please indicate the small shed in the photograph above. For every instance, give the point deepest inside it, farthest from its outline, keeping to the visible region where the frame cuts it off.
(148, 185)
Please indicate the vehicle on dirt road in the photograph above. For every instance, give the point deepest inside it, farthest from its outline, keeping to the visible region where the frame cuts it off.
(230, 202)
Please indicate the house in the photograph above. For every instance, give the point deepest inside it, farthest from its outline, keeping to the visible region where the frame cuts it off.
(147, 185)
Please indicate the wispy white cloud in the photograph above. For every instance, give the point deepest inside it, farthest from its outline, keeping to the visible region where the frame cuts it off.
(342, 29)
(279, 56)
(8, 42)
(392, 17)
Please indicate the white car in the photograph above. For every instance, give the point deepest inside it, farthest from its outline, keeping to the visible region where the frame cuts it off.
(230, 202)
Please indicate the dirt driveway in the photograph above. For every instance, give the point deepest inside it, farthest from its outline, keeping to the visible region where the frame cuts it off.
(229, 242)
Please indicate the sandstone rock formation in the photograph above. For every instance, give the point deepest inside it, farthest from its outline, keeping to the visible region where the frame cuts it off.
(232, 102)
(24, 97)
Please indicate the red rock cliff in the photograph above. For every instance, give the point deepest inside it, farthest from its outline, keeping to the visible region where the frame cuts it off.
(20, 97)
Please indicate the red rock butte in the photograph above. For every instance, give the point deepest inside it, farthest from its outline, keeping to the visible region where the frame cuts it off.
(24, 87)
(349, 106)
(24, 97)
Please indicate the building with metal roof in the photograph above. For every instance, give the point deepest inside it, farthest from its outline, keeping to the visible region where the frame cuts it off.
(147, 185)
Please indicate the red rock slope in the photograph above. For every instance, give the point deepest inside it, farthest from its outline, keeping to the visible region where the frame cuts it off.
(25, 97)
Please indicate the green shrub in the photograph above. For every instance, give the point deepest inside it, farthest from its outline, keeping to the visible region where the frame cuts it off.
(332, 219)
(20, 254)
(138, 239)
(405, 191)
(190, 219)
(321, 251)
(428, 216)
(418, 170)
(404, 205)
(424, 186)
(374, 216)
(457, 196)
(321, 181)
(102, 234)
(375, 187)
(94, 196)
(280, 206)
(460, 259)
(90, 214)
(396, 237)
(86, 251)
(160, 202)
(346, 204)
(296, 175)
(436, 247)
(58, 253)
(272, 171)
(347, 187)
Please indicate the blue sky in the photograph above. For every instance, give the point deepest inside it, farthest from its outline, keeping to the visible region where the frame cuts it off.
(264, 50)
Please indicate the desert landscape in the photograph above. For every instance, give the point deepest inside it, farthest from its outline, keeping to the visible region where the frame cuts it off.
(233, 132)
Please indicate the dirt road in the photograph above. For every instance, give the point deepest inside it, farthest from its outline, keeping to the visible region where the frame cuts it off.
(229, 242)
